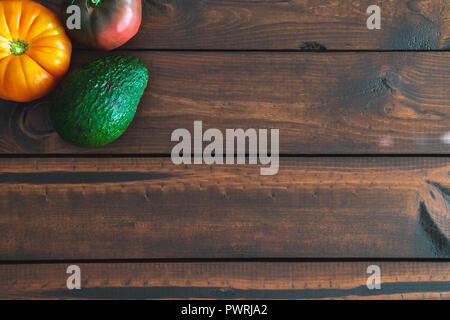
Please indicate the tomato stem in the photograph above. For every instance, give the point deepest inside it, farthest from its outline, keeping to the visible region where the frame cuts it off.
(95, 2)
(18, 47)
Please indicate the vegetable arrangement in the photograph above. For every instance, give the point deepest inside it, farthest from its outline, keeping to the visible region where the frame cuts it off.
(95, 104)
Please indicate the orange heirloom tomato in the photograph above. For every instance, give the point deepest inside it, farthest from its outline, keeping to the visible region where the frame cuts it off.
(34, 50)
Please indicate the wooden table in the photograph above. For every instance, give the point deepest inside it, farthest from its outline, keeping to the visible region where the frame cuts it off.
(364, 120)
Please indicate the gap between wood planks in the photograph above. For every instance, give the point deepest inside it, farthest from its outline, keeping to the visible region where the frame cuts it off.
(259, 50)
(165, 155)
(221, 260)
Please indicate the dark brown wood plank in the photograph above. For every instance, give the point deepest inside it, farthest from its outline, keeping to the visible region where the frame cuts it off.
(353, 103)
(115, 208)
(292, 24)
(228, 280)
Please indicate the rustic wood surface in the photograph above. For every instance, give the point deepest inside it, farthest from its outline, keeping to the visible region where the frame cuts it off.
(133, 208)
(242, 64)
(228, 280)
(290, 25)
(353, 103)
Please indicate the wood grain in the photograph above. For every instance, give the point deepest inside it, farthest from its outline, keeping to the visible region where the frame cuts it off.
(328, 103)
(316, 207)
(135, 208)
(290, 24)
(228, 280)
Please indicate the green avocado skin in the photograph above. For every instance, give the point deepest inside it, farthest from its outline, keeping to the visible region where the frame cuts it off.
(96, 103)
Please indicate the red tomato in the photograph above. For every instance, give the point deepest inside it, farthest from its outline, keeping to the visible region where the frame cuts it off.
(105, 24)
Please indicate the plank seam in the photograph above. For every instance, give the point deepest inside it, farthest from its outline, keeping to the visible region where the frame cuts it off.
(222, 260)
(164, 155)
(262, 50)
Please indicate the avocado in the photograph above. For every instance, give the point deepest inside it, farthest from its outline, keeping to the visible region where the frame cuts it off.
(95, 104)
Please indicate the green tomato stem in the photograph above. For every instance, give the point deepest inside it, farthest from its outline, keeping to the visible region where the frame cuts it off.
(18, 47)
